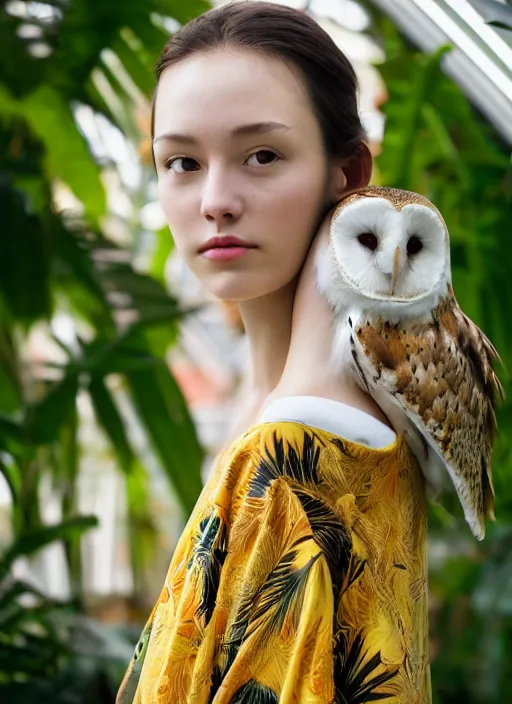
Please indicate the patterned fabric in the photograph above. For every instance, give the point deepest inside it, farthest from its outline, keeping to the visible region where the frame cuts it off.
(300, 578)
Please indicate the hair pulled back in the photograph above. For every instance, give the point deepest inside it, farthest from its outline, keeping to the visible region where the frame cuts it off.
(297, 39)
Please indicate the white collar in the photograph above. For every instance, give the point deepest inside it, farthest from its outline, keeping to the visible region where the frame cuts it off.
(334, 417)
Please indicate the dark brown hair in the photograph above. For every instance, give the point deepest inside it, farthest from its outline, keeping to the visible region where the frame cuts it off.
(297, 39)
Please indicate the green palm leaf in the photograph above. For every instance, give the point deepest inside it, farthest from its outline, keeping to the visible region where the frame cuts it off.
(111, 421)
(30, 542)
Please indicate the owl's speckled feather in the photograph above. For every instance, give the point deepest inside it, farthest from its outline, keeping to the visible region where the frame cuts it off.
(426, 364)
(442, 374)
(396, 196)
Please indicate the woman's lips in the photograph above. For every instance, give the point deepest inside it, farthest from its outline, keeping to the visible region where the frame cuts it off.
(225, 248)
(224, 254)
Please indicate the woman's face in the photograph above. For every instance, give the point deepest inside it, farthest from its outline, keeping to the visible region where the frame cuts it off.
(239, 152)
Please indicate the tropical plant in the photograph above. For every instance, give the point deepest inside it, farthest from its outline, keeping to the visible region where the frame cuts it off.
(52, 261)
(61, 60)
(43, 641)
(29, 644)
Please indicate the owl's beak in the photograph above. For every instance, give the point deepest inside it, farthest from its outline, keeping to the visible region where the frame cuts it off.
(396, 261)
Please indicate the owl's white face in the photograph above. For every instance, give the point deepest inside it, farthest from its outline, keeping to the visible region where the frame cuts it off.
(390, 254)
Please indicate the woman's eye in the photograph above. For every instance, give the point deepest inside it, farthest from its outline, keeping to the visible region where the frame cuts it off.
(182, 164)
(262, 157)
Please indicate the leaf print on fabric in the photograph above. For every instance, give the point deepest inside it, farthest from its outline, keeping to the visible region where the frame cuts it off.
(352, 670)
(341, 446)
(285, 461)
(207, 559)
(236, 634)
(330, 534)
(288, 582)
(281, 594)
(278, 598)
(354, 572)
(215, 683)
(254, 693)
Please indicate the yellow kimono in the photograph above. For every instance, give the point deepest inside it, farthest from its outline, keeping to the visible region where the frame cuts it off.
(300, 578)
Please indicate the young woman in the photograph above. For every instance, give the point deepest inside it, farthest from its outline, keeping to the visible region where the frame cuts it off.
(301, 574)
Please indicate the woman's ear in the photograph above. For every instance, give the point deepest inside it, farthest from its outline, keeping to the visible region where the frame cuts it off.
(352, 172)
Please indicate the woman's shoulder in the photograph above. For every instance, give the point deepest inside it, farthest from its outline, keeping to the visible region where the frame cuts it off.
(344, 450)
(302, 433)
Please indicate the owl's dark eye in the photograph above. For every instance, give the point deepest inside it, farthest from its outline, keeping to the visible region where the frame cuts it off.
(414, 245)
(368, 240)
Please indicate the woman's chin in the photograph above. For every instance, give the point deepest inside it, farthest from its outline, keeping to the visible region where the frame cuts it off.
(234, 293)
(237, 288)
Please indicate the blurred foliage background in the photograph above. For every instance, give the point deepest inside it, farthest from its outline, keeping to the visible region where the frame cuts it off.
(74, 58)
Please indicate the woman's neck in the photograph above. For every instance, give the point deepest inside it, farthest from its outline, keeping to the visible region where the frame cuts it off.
(267, 321)
(309, 367)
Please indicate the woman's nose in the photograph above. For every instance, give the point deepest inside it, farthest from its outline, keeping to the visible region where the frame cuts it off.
(220, 202)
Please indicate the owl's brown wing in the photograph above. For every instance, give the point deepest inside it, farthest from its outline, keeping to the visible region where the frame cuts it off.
(441, 374)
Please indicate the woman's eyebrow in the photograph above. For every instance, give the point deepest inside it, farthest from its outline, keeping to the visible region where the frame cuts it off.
(240, 131)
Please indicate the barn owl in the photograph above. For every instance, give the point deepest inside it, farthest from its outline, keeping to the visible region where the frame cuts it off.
(401, 335)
